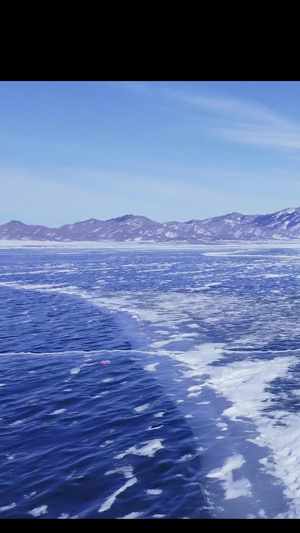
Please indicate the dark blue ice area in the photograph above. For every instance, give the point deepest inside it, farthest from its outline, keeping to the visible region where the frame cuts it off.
(34, 321)
(65, 417)
(61, 433)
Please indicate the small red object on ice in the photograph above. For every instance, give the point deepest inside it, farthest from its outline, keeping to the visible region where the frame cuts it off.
(105, 363)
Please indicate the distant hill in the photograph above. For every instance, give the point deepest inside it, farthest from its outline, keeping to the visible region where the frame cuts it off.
(232, 227)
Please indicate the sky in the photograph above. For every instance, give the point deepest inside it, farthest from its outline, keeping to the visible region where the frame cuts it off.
(183, 150)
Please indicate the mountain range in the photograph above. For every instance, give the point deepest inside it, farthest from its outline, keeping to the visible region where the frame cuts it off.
(232, 227)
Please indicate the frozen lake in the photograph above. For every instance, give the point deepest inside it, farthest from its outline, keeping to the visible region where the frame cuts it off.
(150, 381)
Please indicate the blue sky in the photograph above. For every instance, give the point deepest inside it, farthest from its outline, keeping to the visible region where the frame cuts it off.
(71, 151)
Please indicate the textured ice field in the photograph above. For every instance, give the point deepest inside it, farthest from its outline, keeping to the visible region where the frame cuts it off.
(218, 329)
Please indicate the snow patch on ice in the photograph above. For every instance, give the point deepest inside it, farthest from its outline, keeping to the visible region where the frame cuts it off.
(63, 516)
(149, 449)
(233, 488)
(18, 422)
(126, 471)
(141, 408)
(39, 511)
(7, 507)
(131, 515)
(151, 367)
(111, 500)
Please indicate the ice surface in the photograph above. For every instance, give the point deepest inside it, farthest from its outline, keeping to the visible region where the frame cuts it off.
(221, 333)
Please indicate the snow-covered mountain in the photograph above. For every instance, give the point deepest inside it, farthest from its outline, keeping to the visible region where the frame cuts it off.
(232, 227)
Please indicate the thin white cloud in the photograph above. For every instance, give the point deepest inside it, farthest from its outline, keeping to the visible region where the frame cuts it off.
(233, 119)
(228, 106)
(262, 136)
(242, 121)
